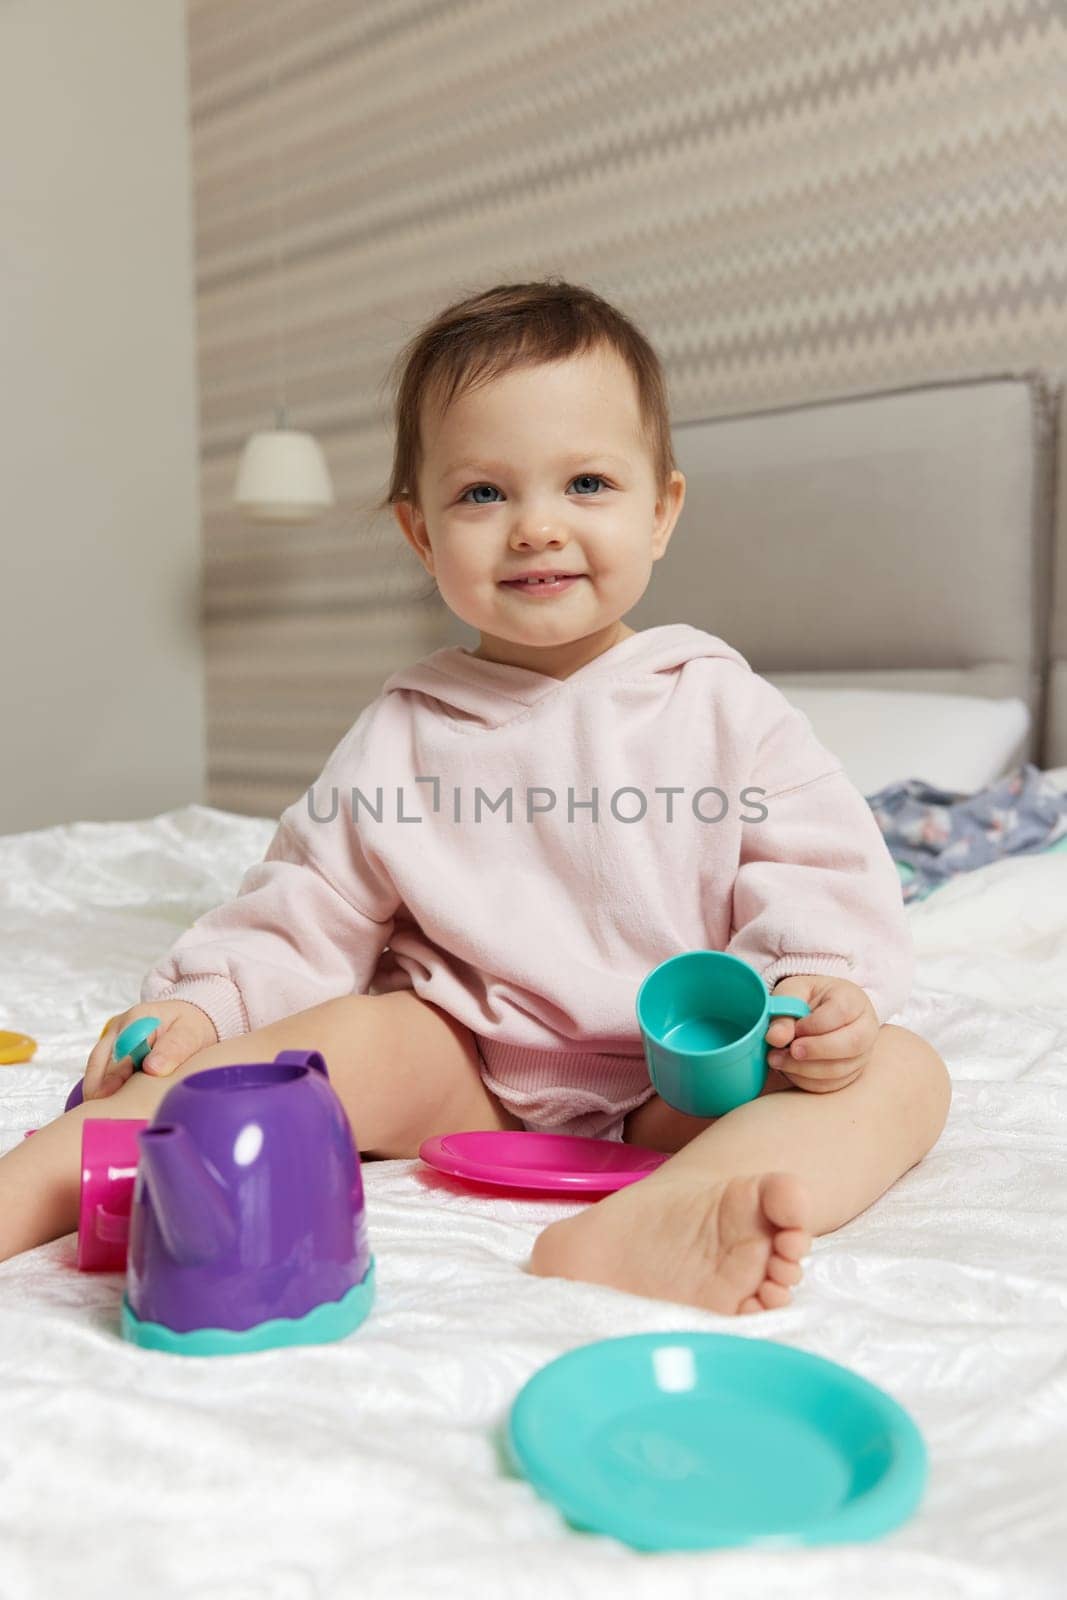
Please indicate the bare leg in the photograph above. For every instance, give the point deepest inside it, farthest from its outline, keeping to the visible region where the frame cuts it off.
(724, 1223)
(402, 1068)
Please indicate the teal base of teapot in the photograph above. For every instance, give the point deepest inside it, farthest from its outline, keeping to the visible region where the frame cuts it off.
(333, 1319)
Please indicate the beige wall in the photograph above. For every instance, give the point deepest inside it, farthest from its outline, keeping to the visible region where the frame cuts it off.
(101, 684)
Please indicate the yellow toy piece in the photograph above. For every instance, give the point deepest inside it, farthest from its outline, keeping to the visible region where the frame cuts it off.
(15, 1047)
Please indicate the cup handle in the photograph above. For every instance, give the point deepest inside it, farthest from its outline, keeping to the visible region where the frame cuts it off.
(788, 1005)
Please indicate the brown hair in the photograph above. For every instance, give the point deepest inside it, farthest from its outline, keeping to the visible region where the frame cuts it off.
(513, 325)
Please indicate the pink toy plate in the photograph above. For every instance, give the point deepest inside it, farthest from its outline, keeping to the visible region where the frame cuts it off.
(544, 1161)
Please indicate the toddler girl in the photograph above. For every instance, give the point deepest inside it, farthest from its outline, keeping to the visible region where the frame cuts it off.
(460, 910)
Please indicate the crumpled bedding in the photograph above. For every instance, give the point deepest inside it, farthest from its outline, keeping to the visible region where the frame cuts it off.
(934, 833)
(375, 1466)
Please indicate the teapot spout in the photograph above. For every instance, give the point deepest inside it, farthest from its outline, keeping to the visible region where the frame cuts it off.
(191, 1204)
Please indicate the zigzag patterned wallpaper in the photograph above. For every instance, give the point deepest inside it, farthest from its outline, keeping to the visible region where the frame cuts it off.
(794, 198)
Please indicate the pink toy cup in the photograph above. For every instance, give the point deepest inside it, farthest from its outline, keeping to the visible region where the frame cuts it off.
(109, 1166)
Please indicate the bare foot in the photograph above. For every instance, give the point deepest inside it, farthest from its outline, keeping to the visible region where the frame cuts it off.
(727, 1247)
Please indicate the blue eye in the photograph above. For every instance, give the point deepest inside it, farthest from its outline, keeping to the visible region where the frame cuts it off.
(594, 476)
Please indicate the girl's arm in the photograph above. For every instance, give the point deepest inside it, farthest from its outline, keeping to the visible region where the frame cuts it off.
(309, 922)
(816, 890)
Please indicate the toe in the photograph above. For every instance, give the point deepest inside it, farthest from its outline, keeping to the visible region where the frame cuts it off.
(787, 1272)
(792, 1244)
(786, 1200)
(773, 1296)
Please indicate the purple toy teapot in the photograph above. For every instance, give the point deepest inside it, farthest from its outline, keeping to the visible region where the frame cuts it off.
(248, 1226)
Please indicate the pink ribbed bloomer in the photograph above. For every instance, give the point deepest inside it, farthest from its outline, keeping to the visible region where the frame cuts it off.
(565, 1091)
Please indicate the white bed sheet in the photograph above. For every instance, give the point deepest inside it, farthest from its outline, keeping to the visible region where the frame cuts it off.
(374, 1467)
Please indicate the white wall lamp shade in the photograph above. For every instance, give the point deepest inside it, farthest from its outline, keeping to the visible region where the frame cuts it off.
(283, 477)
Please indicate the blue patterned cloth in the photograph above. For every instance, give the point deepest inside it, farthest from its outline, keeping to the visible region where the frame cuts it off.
(933, 834)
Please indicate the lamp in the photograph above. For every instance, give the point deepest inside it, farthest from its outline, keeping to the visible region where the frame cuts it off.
(282, 476)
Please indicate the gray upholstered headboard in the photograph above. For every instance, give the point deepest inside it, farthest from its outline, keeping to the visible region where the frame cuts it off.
(897, 540)
(902, 539)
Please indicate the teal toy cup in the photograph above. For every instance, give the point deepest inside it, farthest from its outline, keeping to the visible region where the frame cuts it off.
(703, 1017)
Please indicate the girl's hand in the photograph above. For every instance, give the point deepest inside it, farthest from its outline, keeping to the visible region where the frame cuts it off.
(829, 1048)
(183, 1029)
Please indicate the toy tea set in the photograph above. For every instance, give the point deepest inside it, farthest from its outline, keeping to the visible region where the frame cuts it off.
(238, 1215)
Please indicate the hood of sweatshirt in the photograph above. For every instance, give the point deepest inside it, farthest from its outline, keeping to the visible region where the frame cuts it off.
(492, 692)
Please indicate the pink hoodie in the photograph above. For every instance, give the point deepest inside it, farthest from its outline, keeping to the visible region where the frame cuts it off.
(536, 928)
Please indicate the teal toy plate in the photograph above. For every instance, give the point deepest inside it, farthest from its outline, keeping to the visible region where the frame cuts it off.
(686, 1441)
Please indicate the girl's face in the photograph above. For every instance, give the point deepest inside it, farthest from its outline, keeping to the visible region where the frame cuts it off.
(542, 469)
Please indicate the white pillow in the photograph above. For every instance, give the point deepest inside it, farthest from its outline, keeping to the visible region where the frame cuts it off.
(880, 736)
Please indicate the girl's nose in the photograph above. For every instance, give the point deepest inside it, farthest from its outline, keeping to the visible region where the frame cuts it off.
(536, 531)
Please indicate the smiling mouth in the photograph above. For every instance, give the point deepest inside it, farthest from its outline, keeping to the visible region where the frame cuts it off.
(536, 583)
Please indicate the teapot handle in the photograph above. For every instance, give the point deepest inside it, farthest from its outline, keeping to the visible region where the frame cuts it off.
(302, 1058)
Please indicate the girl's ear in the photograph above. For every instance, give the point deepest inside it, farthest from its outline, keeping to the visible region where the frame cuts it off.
(413, 526)
(668, 510)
